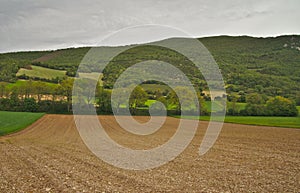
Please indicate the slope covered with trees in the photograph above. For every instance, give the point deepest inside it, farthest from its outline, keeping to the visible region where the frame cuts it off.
(266, 68)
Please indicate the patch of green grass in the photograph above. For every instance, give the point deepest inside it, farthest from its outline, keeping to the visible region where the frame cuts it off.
(218, 106)
(93, 76)
(20, 83)
(41, 72)
(149, 102)
(293, 122)
(239, 106)
(14, 121)
(17, 83)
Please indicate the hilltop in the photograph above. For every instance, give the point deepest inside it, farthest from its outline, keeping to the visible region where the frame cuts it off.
(269, 66)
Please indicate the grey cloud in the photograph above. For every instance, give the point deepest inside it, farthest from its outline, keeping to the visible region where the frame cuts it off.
(32, 25)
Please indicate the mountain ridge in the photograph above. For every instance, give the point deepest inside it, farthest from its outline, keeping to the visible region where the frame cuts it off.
(266, 65)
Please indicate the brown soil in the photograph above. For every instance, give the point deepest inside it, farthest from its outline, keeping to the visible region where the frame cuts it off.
(49, 156)
(48, 56)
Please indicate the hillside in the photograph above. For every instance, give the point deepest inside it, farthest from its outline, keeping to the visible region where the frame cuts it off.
(40, 73)
(264, 65)
(269, 66)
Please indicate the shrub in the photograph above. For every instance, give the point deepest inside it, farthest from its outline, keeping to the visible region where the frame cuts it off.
(280, 106)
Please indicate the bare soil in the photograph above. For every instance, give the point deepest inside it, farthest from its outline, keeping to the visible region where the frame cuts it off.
(49, 156)
(49, 56)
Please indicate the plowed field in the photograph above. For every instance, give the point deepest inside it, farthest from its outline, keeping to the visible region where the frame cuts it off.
(49, 156)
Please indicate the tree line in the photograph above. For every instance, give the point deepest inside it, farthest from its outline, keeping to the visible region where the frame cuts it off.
(38, 96)
(262, 105)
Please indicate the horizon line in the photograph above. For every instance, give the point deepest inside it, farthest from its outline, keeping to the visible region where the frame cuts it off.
(131, 44)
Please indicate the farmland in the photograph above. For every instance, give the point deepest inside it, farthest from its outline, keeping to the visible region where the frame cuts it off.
(50, 156)
(22, 83)
(255, 80)
(14, 121)
(254, 155)
(248, 64)
(292, 122)
(41, 72)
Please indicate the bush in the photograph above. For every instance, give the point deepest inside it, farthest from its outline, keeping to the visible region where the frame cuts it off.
(4, 104)
(30, 105)
(280, 106)
(231, 111)
(255, 110)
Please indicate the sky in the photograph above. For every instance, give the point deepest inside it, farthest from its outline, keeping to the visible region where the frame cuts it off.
(44, 25)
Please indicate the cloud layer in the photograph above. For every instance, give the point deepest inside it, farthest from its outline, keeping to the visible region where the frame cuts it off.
(38, 25)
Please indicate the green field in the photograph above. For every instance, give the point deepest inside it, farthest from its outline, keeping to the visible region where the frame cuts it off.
(292, 122)
(239, 106)
(92, 75)
(218, 106)
(41, 72)
(21, 83)
(150, 102)
(14, 121)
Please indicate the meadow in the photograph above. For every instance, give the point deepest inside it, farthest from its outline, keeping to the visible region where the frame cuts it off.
(22, 83)
(42, 72)
(14, 121)
(291, 122)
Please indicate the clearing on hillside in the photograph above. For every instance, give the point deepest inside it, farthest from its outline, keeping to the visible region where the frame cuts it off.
(41, 72)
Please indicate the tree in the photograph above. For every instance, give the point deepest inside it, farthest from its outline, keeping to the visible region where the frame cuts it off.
(103, 98)
(280, 106)
(202, 105)
(2, 89)
(28, 89)
(233, 110)
(118, 99)
(39, 88)
(85, 91)
(30, 105)
(256, 99)
(137, 98)
(66, 88)
(187, 101)
(14, 101)
(172, 101)
(255, 105)
(298, 99)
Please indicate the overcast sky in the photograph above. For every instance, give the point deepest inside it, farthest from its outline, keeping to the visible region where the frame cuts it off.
(41, 24)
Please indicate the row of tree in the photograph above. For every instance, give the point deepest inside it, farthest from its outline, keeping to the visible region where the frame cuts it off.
(36, 96)
(57, 98)
(261, 105)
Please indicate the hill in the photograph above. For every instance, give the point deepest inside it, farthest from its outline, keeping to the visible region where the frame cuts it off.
(269, 66)
(40, 73)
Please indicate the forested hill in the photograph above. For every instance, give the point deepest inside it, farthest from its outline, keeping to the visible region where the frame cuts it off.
(268, 66)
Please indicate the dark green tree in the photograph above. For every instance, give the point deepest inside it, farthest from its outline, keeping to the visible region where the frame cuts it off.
(103, 98)
(255, 105)
(66, 88)
(280, 106)
(137, 98)
(30, 105)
